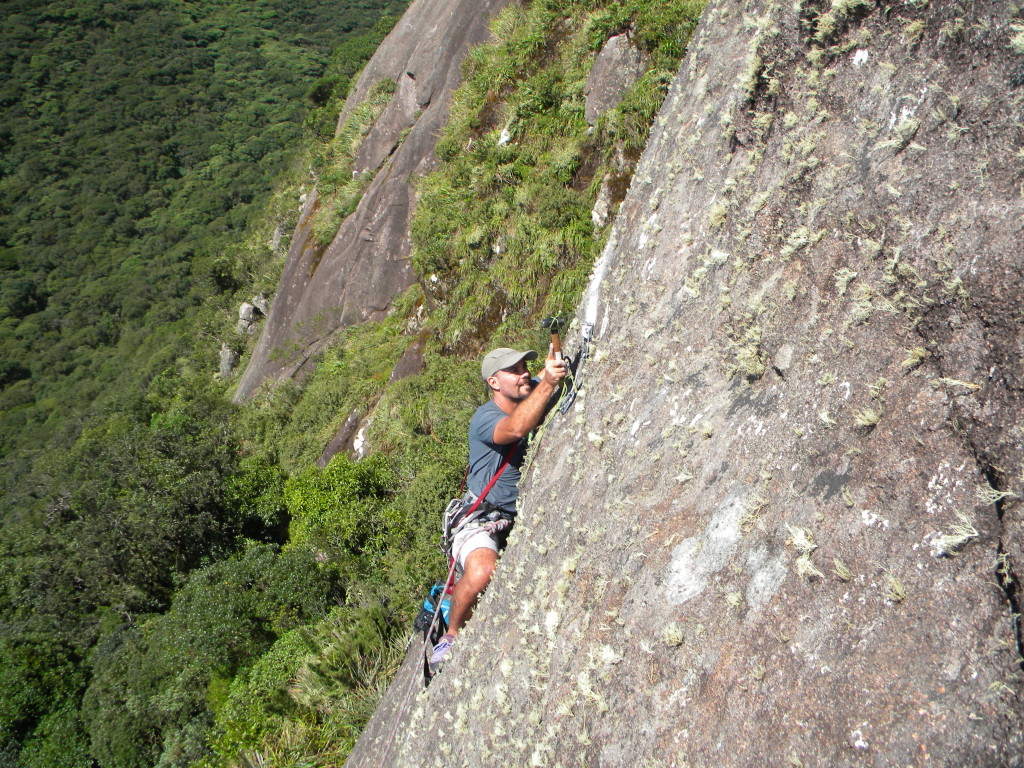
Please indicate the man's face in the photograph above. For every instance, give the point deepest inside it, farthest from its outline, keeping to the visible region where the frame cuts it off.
(513, 382)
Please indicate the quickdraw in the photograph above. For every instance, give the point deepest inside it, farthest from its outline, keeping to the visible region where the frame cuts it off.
(586, 334)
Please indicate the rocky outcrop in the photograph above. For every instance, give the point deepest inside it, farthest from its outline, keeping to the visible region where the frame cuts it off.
(228, 361)
(250, 313)
(367, 264)
(343, 440)
(781, 526)
(615, 70)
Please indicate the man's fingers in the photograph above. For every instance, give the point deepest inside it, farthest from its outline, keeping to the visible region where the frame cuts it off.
(555, 366)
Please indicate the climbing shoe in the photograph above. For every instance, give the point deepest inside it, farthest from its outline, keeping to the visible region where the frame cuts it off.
(441, 651)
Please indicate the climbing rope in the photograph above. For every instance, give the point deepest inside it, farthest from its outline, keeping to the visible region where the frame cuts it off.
(424, 650)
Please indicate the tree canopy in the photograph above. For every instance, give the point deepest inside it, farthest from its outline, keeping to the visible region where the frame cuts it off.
(138, 140)
(141, 560)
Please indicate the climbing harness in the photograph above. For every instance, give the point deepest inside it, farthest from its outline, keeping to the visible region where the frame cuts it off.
(457, 515)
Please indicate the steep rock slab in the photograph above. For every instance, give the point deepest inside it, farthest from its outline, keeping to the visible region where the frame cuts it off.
(774, 530)
(367, 264)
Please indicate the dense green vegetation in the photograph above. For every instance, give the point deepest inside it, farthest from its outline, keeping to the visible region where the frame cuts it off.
(180, 584)
(147, 155)
(140, 142)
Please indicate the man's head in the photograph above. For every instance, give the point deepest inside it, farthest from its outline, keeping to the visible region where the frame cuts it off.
(506, 374)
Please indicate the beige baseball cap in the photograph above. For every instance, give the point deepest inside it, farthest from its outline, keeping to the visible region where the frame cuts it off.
(501, 358)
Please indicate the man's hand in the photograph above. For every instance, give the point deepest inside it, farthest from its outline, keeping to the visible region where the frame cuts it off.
(555, 367)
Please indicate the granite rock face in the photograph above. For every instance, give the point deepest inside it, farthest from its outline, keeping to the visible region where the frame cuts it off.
(367, 264)
(228, 361)
(782, 524)
(616, 69)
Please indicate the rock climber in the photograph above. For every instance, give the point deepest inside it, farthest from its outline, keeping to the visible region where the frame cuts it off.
(518, 404)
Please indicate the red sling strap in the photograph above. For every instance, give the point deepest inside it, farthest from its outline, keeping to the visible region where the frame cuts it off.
(479, 499)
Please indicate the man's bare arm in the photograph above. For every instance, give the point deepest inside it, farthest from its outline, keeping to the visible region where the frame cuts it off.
(528, 413)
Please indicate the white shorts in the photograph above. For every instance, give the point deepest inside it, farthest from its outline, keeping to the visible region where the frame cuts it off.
(471, 538)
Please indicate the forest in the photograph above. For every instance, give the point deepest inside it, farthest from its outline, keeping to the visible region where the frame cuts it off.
(139, 141)
(181, 584)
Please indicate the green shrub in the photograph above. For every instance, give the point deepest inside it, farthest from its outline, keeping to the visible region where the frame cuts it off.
(344, 508)
(256, 490)
(154, 686)
(257, 702)
(59, 739)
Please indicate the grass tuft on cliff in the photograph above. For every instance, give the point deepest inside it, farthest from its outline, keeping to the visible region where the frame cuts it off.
(503, 231)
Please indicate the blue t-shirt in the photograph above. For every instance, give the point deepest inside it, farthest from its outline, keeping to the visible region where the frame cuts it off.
(486, 456)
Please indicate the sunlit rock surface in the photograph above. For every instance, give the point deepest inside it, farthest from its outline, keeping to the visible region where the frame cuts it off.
(781, 526)
(617, 67)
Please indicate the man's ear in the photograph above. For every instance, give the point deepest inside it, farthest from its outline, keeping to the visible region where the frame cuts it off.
(492, 382)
